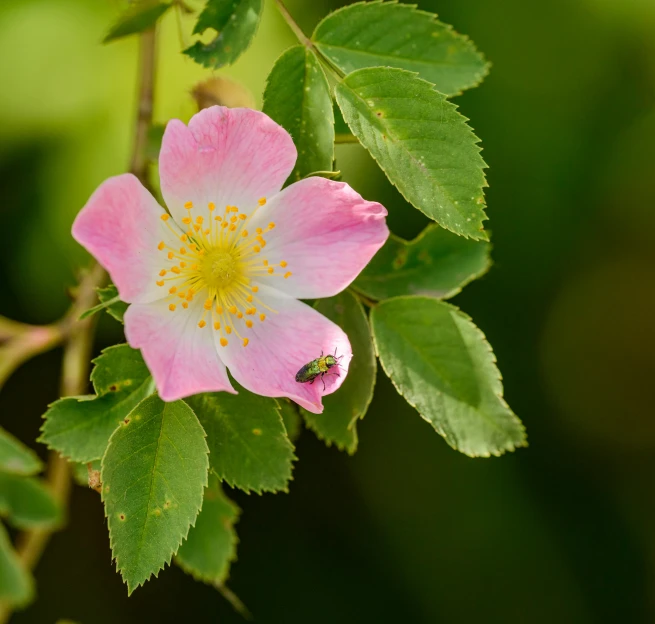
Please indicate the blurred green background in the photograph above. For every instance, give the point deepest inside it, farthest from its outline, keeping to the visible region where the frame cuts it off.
(407, 530)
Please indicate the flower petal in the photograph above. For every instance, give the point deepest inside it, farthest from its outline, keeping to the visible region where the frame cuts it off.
(228, 156)
(278, 347)
(324, 232)
(181, 356)
(121, 227)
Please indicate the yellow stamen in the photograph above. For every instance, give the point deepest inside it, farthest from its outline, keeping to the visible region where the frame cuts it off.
(201, 324)
(270, 270)
(172, 289)
(245, 342)
(217, 325)
(233, 309)
(161, 246)
(165, 217)
(211, 206)
(228, 329)
(283, 264)
(287, 274)
(262, 201)
(171, 307)
(262, 317)
(188, 205)
(248, 323)
(223, 342)
(160, 283)
(271, 225)
(186, 220)
(162, 272)
(170, 255)
(255, 289)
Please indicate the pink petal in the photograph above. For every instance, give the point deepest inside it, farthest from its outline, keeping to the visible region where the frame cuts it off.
(181, 356)
(226, 156)
(288, 339)
(121, 227)
(324, 231)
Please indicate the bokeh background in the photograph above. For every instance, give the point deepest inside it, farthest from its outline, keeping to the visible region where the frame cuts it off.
(407, 530)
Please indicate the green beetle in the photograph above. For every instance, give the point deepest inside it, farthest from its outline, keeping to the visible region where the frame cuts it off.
(318, 367)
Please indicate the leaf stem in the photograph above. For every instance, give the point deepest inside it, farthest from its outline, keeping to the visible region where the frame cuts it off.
(293, 25)
(78, 334)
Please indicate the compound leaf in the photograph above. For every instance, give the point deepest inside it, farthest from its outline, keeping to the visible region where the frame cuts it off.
(17, 458)
(387, 34)
(436, 263)
(444, 367)
(235, 22)
(211, 545)
(421, 142)
(249, 447)
(297, 96)
(337, 424)
(153, 476)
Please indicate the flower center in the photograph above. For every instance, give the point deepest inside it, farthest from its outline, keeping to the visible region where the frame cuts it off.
(219, 262)
(219, 268)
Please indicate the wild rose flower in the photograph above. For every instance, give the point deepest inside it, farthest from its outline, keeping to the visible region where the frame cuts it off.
(216, 284)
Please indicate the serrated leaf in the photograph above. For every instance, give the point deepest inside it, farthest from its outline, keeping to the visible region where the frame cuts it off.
(421, 142)
(211, 545)
(436, 263)
(108, 298)
(153, 476)
(140, 16)
(249, 447)
(235, 22)
(16, 583)
(442, 364)
(290, 418)
(17, 458)
(27, 503)
(387, 34)
(337, 424)
(297, 96)
(80, 428)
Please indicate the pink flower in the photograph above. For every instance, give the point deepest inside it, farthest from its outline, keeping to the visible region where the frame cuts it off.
(217, 285)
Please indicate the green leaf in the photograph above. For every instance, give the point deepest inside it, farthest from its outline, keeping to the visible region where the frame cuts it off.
(443, 366)
(337, 424)
(16, 583)
(386, 34)
(421, 142)
(140, 16)
(17, 458)
(27, 503)
(247, 439)
(297, 96)
(211, 545)
(235, 22)
(110, 301)
(153, 476)
(290, 418)
(435, 263)
(79, 428)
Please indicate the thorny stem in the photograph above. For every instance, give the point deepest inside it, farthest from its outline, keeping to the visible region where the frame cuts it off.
(27, 341)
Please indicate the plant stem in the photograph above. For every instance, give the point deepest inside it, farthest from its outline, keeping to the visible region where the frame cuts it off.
(293, 25)
(78, 335)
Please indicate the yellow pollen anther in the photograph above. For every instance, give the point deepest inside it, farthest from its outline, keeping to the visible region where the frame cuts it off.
(223, 342)
(182, 264)
(283, 264)
(171, 255)
(217, 325)
(262, 317)
(287, 274)
(228, 329)
(172, 289)
(239, 315)
(232, 228)
(249, 298)
(176, 270)
(233, 219)
(248, 323)
(160, 283)
(171, 307)
(211, 206)
(256, 249)
(242, 217)
(188, 205)
(262, 201)
(208, 231)
(232, 309)
(208, 304)
(271, 225)
(244, 233)
(196, 227)
(194, 267)
(161, 246)
(201, 324)
(224, 224)
(255, 289)
(185, 305)
(218, 218)
(183, 238)
(182, 250)
(165, 217)
(265, 262)
(199, 219)
(219, 309)
(259, 230)
(162, 272)
(181, 295)
(270, 270)
(245, 342)
(186, 220)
